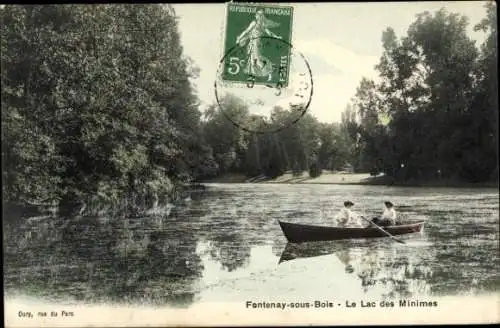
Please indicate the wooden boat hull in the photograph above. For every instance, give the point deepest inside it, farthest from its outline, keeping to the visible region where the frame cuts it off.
(299, 233)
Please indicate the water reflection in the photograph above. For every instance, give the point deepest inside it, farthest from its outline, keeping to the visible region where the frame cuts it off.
(227, 245)
(230, 255)
(376, 265)
(103, 260)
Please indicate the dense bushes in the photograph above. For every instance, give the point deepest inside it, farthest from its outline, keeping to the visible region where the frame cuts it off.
(96, 101)
(315, 170)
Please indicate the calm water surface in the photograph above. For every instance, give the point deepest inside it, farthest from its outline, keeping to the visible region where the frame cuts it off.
(224, 244)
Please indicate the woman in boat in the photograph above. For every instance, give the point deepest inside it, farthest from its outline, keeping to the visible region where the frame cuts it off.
(388, 217)
(346, 217)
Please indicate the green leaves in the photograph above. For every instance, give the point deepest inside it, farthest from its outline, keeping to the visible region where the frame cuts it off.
(107, 91)
(429, 87)
(295, 147)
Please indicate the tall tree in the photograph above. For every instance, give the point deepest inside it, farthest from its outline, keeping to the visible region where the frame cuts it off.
(480, 163)
(430, 92)
(105, 94)
(223, 135)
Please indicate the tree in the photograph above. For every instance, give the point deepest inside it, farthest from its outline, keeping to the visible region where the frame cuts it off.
(480, 164)
(106, 96)
(430, 93)
(222, 134)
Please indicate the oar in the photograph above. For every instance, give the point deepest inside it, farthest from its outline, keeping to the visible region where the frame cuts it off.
(385, 232)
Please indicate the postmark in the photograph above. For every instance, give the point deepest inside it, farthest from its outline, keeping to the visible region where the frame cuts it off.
(263, 70)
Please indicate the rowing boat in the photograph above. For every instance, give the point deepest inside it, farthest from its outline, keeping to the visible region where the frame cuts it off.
(299, 233)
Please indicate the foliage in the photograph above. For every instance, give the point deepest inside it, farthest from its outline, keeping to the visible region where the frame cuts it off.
(438, 97)
(293, 148)
(97, 103)
(96, 100)
(315, 170)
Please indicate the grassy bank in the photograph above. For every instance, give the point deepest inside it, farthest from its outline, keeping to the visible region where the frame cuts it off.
(347, 179)
(289, 178)
(227, 178)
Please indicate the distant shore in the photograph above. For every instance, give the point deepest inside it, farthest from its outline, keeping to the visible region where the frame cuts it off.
(346, 179)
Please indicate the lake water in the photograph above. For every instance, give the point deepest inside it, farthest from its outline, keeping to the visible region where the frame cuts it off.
(225, 244)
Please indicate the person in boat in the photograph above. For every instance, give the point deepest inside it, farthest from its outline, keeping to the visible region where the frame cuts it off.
(388, 217)
(347, 217)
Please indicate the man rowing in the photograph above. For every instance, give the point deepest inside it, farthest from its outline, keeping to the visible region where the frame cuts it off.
(388, 217)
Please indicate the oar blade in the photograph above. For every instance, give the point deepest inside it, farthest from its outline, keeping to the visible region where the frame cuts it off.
(384, 231)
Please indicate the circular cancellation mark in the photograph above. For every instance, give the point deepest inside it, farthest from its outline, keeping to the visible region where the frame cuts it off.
(264, 73)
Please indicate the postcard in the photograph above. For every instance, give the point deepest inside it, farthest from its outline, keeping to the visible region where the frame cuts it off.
(250, 164)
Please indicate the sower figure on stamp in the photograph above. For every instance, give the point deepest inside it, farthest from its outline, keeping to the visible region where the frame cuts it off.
(388, 217)
(257, 64)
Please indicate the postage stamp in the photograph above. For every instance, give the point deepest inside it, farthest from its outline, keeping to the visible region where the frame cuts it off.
(252, 28)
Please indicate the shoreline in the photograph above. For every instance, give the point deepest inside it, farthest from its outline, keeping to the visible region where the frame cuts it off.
(343, 178)
(327, 178)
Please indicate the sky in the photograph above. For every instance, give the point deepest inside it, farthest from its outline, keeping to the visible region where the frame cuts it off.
(341, 42)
